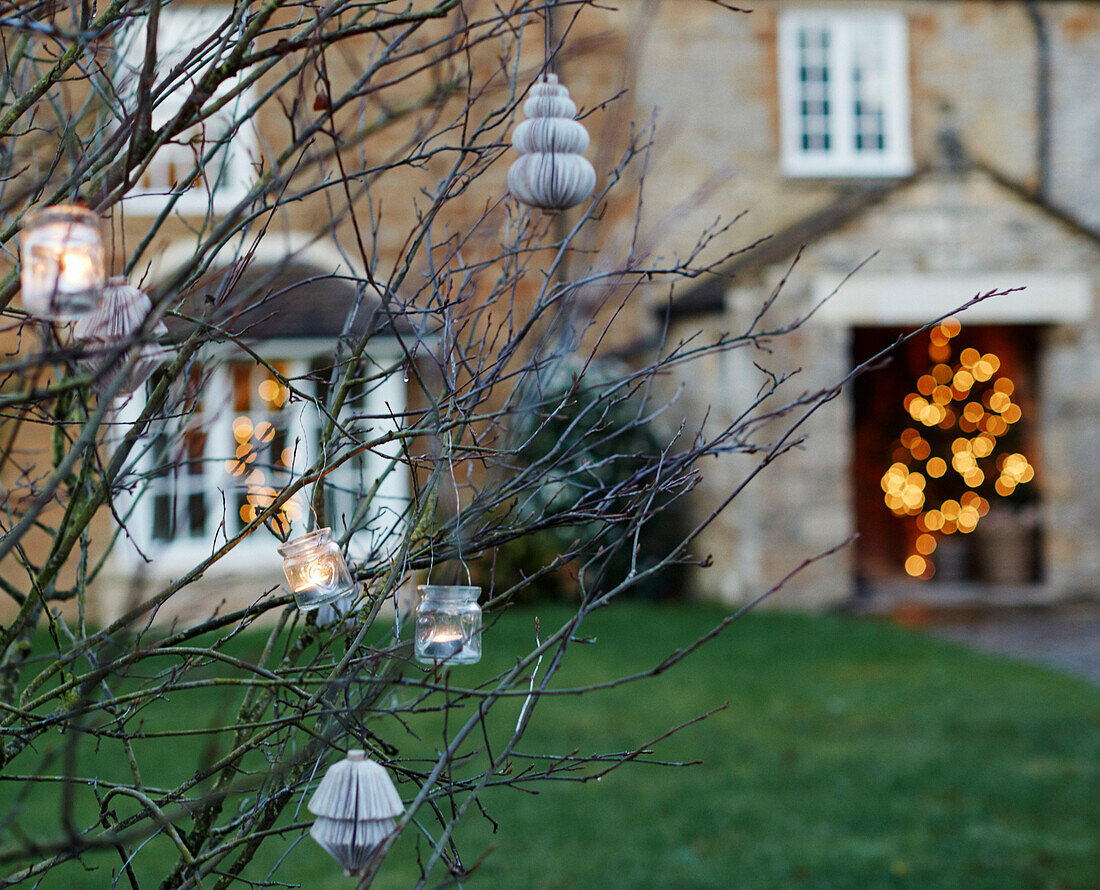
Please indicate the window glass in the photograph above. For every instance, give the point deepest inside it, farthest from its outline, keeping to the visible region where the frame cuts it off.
(868, 88)
(844, 94)
(209, 166)
(813, 84)
(367, 492)
(177, 487)
(236, 435)
(265, 435)
(229, 445)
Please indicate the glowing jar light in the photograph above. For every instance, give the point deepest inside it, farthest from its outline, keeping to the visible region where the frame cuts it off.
(64, 266)
(315, 569)
(448, 624)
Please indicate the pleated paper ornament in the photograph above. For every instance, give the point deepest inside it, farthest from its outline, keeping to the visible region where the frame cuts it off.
(356, 807)
(551, 171)
(118, 317)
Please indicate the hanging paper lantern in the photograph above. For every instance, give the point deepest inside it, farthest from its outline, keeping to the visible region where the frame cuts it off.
(63, 262)
(551, 172)
(118, 317)
(356, 806)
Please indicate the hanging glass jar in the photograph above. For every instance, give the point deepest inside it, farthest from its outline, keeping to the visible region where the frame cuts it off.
(315, 569)
(448, 624)
(64, 266)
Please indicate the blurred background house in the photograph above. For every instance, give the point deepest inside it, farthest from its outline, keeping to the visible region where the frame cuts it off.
(942, 149)
(937, 149)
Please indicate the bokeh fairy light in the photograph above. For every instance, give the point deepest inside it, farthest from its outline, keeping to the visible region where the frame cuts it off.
(968, 397)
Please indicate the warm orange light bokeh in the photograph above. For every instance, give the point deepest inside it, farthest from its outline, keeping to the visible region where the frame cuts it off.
(966, 396)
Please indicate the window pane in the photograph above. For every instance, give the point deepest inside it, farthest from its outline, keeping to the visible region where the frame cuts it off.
(163, 516)
(196, 515)
(178, 451)
(227, 459)
(868, 89)
(242, 375)
(208, 163)
(258, 459)
(363, 418)
(814, 126)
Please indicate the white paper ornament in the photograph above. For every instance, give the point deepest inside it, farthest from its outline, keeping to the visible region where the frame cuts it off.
(551, 172)
(356, 806)
(119, 315)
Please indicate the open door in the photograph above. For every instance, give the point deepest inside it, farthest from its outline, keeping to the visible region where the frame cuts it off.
(945, 457)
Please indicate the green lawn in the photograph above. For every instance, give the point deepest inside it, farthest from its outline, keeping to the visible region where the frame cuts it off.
(852, 755)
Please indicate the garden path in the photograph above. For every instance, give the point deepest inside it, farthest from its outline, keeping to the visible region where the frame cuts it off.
(1067, 638)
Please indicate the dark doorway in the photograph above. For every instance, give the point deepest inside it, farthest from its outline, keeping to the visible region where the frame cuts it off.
(945, 465)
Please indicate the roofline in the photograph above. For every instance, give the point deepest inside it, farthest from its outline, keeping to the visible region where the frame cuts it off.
(1074, 223)
(708, 296)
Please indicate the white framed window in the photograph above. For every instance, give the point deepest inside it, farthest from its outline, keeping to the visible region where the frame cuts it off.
(210, 167)
(237, 436)
(844, 93)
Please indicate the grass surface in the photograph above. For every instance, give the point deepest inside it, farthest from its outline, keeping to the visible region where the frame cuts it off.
(852, 755)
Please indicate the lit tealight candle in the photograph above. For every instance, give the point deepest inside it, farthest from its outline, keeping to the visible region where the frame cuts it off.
(321, 573)
(443, 645)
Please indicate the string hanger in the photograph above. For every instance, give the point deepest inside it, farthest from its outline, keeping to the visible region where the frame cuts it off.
(548, 37)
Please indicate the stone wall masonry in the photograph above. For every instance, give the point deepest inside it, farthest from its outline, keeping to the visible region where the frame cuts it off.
(804, 502)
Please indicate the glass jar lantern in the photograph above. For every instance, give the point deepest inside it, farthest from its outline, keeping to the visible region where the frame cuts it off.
(448, 624)
(315, 569)
(64, 268)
